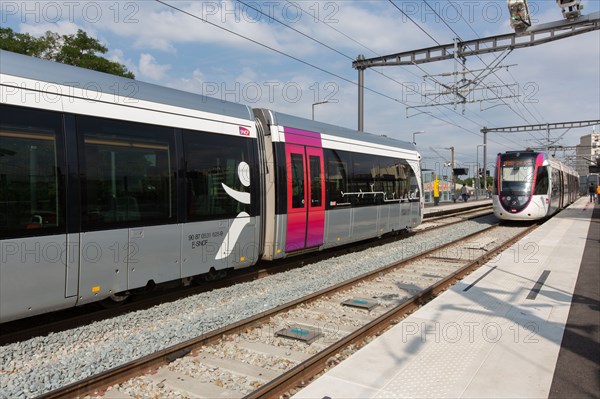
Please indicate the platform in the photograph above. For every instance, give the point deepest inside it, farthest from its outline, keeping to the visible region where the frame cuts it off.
(497, 333)
(449, 207)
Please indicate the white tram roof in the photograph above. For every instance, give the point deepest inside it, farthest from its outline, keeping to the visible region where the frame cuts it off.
(278, 118)
(27, 67)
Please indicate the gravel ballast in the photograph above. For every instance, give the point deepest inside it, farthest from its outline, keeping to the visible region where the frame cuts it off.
(43, 364)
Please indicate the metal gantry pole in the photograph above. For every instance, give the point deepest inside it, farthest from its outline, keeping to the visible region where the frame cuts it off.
(361, 94)
(484, 159)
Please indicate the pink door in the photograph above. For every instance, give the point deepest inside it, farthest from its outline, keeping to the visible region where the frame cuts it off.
(305, 197)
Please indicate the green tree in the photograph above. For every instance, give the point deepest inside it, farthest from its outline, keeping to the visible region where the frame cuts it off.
(76, 49)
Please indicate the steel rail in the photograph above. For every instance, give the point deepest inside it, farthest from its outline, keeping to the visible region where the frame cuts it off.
(318, 363)
(137, 367)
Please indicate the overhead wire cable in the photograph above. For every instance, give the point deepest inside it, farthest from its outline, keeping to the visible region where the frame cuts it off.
(299, 60)
(276, 50)
(416, 24)
(294, 29)
(376, 71)
(487, 65)
(438, 43)
(432, 38)
(382, 74)
(477, 55)
(508, 71)
(318, 41)
(316, 17)
(476, 34)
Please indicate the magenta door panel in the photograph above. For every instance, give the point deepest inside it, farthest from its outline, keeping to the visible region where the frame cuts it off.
(296, 197)
(305, 197)
(316, 197)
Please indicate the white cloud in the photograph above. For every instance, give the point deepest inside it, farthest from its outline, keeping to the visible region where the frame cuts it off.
(61, 27)
(149, 68)
(193, 84)
(564, 72)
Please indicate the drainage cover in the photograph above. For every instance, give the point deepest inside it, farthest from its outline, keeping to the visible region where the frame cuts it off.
(361, 303)
(301, 333)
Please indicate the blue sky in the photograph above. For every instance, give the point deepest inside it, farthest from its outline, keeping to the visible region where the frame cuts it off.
(316, 42)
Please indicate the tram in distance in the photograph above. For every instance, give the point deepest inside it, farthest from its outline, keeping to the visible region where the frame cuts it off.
(531, 185)
(110, 185)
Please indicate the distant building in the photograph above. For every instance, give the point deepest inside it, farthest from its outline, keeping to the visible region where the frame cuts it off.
(587, 149)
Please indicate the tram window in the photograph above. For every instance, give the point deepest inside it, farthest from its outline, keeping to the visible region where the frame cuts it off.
(555, 183)
(316, 198)
(212, 160)
(365, 171)
(30, 173)
(408, 185)
(297, 161)
(129, 173)
(413, 184)
(541, 185)
(389, 180)
(402, 179)
(516, 175)
(337, 178)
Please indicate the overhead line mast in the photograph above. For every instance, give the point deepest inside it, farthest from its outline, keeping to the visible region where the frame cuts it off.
(543, 126)
(531, 36)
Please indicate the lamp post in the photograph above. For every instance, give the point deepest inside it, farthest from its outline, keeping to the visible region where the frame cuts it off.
(317, 103)
(415, 133)
(452, 188)
(478, 178)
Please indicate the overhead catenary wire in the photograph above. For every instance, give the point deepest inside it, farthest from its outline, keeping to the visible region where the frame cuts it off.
(350, 58)
(479, 57)
(275, 50)
(315, 40)
(476, 34)
(432, 38)
(299, 60)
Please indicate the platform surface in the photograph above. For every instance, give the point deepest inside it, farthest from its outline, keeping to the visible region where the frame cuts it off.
(492, 335)
(431, 210)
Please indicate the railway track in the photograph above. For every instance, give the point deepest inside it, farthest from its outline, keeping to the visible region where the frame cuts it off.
(254, 357)
(72, 318)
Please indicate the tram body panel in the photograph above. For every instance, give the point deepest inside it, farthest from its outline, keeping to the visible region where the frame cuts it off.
(366, 188)
(33, 278)
(337, 227)
(155, 185)
(104, 261)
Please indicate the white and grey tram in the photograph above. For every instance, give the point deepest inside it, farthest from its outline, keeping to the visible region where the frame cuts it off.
(531, 185)
(110, 185)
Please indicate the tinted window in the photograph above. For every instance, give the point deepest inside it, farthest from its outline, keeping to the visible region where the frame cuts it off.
(297, 161)
(212, 162)
(315, 181)
(337, 178)
(30, 173)
(541, 181)
(414, 193)
(374, 179)
(365, 172)
(129, 173)
(555, 183)
(398, 180)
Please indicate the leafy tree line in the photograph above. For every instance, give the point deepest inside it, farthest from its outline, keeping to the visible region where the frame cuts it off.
(76, 49)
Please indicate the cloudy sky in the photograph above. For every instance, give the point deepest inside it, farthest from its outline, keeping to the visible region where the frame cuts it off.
(288, 55)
